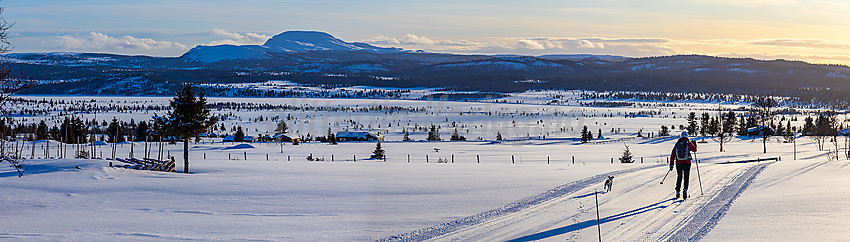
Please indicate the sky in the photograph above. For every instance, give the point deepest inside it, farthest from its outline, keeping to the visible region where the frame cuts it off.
(816, 31)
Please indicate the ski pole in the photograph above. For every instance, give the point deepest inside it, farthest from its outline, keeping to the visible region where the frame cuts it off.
(665, 176)
(698, 178)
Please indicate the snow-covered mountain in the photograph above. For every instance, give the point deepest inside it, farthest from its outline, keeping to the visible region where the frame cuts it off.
(286, 42)
(302, 41)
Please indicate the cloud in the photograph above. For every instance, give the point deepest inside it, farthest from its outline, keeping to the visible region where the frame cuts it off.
(233, 38)
(103, 42)
(808, 43)
(409, 39)
(530, 44)
(590, 45)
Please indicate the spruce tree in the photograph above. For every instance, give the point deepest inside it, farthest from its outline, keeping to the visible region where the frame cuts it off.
(584, 132)
(627, 156)
(664, 131)
(379, 152)
(457, 137)
(142, 131)
(113, 131)
(239, 135)
(331, 137)
(188, 118)
(498, 135)
(41, 131)
(281, 127)
(434, 134)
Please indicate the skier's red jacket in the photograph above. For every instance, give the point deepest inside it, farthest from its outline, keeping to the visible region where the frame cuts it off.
(692, 146)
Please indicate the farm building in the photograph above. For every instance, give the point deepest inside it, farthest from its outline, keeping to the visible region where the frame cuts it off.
(356, 136)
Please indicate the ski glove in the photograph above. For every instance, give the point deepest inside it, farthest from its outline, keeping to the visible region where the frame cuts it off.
(671, 167)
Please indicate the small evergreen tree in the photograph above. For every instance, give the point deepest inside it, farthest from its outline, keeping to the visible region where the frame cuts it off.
(664, 131)
(331, 137)
(142, 131)
(434, 134)
(406, 136)
(692, 123)
(498, 135)
(627, 156)
(457, 137)
(584, 135)
(41, 131)
(114, 132)
(379, 152)
(239, 134)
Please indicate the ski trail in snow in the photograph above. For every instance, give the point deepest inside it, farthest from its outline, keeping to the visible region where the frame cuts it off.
(494, 215)
(710, 213)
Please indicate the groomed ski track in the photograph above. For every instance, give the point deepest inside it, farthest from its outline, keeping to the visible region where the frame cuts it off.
(638, 208)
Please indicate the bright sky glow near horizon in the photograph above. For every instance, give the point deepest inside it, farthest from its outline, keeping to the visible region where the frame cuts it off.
(816, 31)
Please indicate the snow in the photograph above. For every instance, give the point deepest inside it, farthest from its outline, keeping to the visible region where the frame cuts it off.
(524, 188)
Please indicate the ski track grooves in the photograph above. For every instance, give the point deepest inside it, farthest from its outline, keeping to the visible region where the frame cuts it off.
(709, 214)
(445, 228)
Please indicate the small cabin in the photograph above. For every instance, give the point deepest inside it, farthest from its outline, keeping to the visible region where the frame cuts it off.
(760, 130)
(229, 138)
(356, 136)
(247, 138)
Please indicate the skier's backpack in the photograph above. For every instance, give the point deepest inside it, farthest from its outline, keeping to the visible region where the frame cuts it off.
(682, 150)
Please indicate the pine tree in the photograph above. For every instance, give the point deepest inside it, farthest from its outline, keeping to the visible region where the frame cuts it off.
(379, 152)
(498, 135)
(188, 118)
(627, 156)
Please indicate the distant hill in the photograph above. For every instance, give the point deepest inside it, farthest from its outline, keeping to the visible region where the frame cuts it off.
(311, 57)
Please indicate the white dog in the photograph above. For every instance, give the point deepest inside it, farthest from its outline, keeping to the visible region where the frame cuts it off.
(608, 184)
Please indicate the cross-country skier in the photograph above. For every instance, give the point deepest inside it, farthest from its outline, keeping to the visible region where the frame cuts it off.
(681, 157)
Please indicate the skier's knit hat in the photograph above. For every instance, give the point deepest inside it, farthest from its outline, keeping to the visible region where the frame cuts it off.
(684, 133)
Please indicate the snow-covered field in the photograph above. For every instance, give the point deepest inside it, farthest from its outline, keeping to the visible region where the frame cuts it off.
(512, 194)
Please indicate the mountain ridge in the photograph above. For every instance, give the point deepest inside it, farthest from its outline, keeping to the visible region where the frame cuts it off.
(322, 59)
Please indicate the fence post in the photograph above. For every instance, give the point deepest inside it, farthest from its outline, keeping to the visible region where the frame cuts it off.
(547, 159)
(641, 159)
(228, 156)
(426, 158)
(355, 157)
(267, 157)
(332, 157)
(287, 158)
(612, 160)
(408, 158)
(478, 158)
(245, 153)
(453, 158)
(574, 160)
(205, 155)
(512, 159)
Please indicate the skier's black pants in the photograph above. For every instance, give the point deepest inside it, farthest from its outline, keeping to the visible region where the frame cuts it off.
(683, 170)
